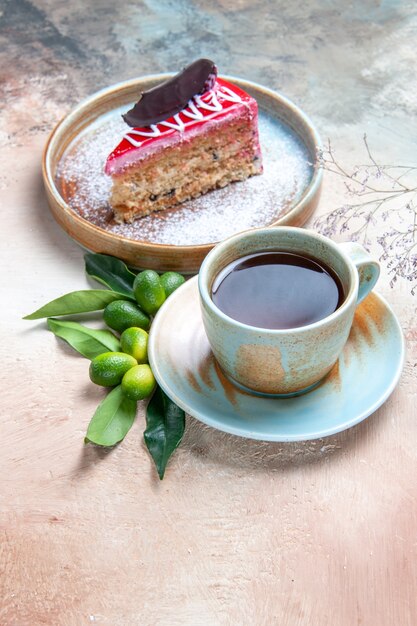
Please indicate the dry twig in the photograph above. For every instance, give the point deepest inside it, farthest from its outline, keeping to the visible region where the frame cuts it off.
(386, 193)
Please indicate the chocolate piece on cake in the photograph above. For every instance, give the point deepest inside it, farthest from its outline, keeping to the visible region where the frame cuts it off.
(206, 144)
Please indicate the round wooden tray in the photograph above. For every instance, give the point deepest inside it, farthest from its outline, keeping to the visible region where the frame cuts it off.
(144, 254)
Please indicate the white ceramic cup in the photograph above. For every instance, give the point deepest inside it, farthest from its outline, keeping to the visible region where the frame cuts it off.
(291, 361)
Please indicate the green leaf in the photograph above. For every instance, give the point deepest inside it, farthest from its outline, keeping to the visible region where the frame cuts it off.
(76, 302)
(112, 420)
(111, 272)
(87, 341)
(165, 425)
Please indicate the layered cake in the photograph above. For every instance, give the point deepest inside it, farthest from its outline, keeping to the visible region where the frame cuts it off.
(192, 134)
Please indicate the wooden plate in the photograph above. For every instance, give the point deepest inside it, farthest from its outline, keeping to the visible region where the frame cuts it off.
(139, 251)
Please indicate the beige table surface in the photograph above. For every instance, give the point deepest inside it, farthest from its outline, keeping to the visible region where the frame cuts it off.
(239, 532)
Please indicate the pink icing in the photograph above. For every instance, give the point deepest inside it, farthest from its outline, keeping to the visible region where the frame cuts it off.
(223, 102)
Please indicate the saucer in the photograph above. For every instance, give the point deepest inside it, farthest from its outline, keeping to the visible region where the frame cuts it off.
(362, 379)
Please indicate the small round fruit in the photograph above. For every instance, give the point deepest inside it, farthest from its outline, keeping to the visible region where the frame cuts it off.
(138, 383)
(134, 341)
(122, 314)
(171, 281)
(148, 290)
(108, 369)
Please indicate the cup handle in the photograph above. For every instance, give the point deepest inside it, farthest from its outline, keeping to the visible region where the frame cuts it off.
(368, 269)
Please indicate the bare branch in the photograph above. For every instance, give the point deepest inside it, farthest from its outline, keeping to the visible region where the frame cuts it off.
(395, 206)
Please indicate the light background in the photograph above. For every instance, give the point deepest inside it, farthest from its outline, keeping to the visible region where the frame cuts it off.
(239, 532)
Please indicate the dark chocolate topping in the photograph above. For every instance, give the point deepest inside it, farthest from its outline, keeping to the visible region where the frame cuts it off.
(170, 97)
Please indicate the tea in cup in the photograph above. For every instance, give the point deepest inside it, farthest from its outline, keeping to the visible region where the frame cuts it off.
(278, 305)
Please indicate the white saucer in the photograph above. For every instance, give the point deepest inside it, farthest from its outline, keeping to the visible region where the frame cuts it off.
(365, 375)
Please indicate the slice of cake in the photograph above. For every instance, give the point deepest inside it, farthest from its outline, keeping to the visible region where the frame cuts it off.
(190, 135)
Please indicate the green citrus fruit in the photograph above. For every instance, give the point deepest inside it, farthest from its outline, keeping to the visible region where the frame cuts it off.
(122, 314)
(148, 290)
(108, 369)
(134, 341)
(171, 281)
(138, 383)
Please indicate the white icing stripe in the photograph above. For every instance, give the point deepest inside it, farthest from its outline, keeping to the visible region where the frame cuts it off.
(154, 132)
(213, 106)
(134, 142)
(228, 94)
(209, 103)
(193, 112)
(179, 123)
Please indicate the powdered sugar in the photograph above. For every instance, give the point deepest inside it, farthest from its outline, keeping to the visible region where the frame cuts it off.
(255, 202)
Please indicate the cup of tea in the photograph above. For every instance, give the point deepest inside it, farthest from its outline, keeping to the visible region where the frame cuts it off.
(278, 305)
